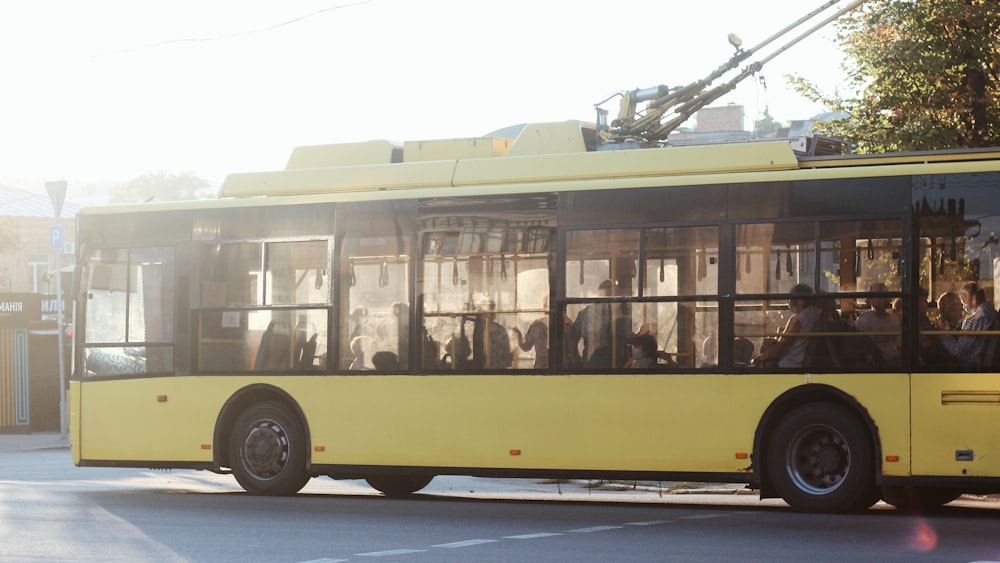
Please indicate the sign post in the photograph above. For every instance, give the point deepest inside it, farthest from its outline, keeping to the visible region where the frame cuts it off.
(57, 193)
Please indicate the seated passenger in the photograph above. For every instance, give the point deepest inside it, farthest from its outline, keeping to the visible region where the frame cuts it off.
(968, 349)
(431, 352)
(949, 304)
(765, 347)
(880, 319)
(742, 352)
(385, 361)
(790, 349)
(458, 353)
(643, 351)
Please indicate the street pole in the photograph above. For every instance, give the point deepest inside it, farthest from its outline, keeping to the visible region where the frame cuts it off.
(57, 193)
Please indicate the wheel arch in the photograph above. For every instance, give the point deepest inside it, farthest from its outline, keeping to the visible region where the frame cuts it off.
(242, 399)
(796, 397)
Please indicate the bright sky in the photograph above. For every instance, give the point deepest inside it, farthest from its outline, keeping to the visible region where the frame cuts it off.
(113, 89)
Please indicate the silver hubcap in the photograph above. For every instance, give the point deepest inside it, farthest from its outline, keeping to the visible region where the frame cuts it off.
(819, 459)
(265, 451)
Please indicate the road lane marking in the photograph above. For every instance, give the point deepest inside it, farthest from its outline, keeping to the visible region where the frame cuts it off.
(595, 529)
(325, 561)
(465, 543)
(532, 536)
(390, 552)
(474, 542)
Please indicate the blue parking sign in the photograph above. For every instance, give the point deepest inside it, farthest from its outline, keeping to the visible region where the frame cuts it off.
(56, 237)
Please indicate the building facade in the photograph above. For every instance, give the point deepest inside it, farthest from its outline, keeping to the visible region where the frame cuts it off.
(27, 259)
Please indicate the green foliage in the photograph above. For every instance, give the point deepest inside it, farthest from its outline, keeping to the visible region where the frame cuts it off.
(10, 240)
(925, 74)
(766, 125)
(162, 186)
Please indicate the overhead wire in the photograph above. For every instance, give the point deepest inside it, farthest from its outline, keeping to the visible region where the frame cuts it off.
(240, 33)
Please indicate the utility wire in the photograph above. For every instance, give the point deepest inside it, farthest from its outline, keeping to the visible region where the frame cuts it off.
(240, 33)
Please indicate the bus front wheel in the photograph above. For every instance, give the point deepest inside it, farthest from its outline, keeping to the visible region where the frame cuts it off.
(398, 485)
(820, 459)
(267, 450)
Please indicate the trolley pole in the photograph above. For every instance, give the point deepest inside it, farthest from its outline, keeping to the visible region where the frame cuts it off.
(57, 193)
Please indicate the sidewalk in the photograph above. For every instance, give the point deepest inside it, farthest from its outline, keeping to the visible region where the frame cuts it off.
(33, 441)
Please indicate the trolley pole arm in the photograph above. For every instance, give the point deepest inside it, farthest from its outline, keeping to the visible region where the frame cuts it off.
(685, 111)
(741, 55)
(661, 100)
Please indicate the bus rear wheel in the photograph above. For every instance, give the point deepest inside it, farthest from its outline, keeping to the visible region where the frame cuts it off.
(399, 485)
(267, 450)
(821, 459)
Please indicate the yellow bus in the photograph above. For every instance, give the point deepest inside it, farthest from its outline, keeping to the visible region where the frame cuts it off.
(384, 311)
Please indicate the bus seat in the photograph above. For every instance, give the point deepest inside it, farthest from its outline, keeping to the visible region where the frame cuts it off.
(274, 348)
(307, 353)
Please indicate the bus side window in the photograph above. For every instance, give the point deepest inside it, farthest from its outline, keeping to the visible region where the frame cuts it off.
(484, 275)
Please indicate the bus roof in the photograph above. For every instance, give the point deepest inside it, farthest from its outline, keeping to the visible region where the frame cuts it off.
(545, 153)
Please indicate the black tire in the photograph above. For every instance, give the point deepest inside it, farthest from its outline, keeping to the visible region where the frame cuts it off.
(399, 485)
(919, 499)
(820, 458)
(267, 450)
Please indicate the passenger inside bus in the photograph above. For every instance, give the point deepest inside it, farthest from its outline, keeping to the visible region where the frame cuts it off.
(457, 353)
(358, 346)
(790, 350)
(490, 343)
(968, 349)
(602, 329)
(880, 319)
(431, 352)
(742, 352)
(383, 360)
(837, 344)
(949, 304)
(537, 338)
(643, 351)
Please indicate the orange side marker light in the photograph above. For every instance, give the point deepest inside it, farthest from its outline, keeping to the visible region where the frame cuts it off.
(742, 455)
(515, 452)
(892, 458)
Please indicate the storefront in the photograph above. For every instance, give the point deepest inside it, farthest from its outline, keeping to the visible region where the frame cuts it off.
(29, 364)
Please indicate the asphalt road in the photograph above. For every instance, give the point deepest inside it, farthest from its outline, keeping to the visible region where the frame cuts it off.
(52, 511)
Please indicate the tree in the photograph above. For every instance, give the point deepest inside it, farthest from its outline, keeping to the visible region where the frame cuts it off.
(162, 186)
(10, 242)
(766, 125)
(925, 75)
